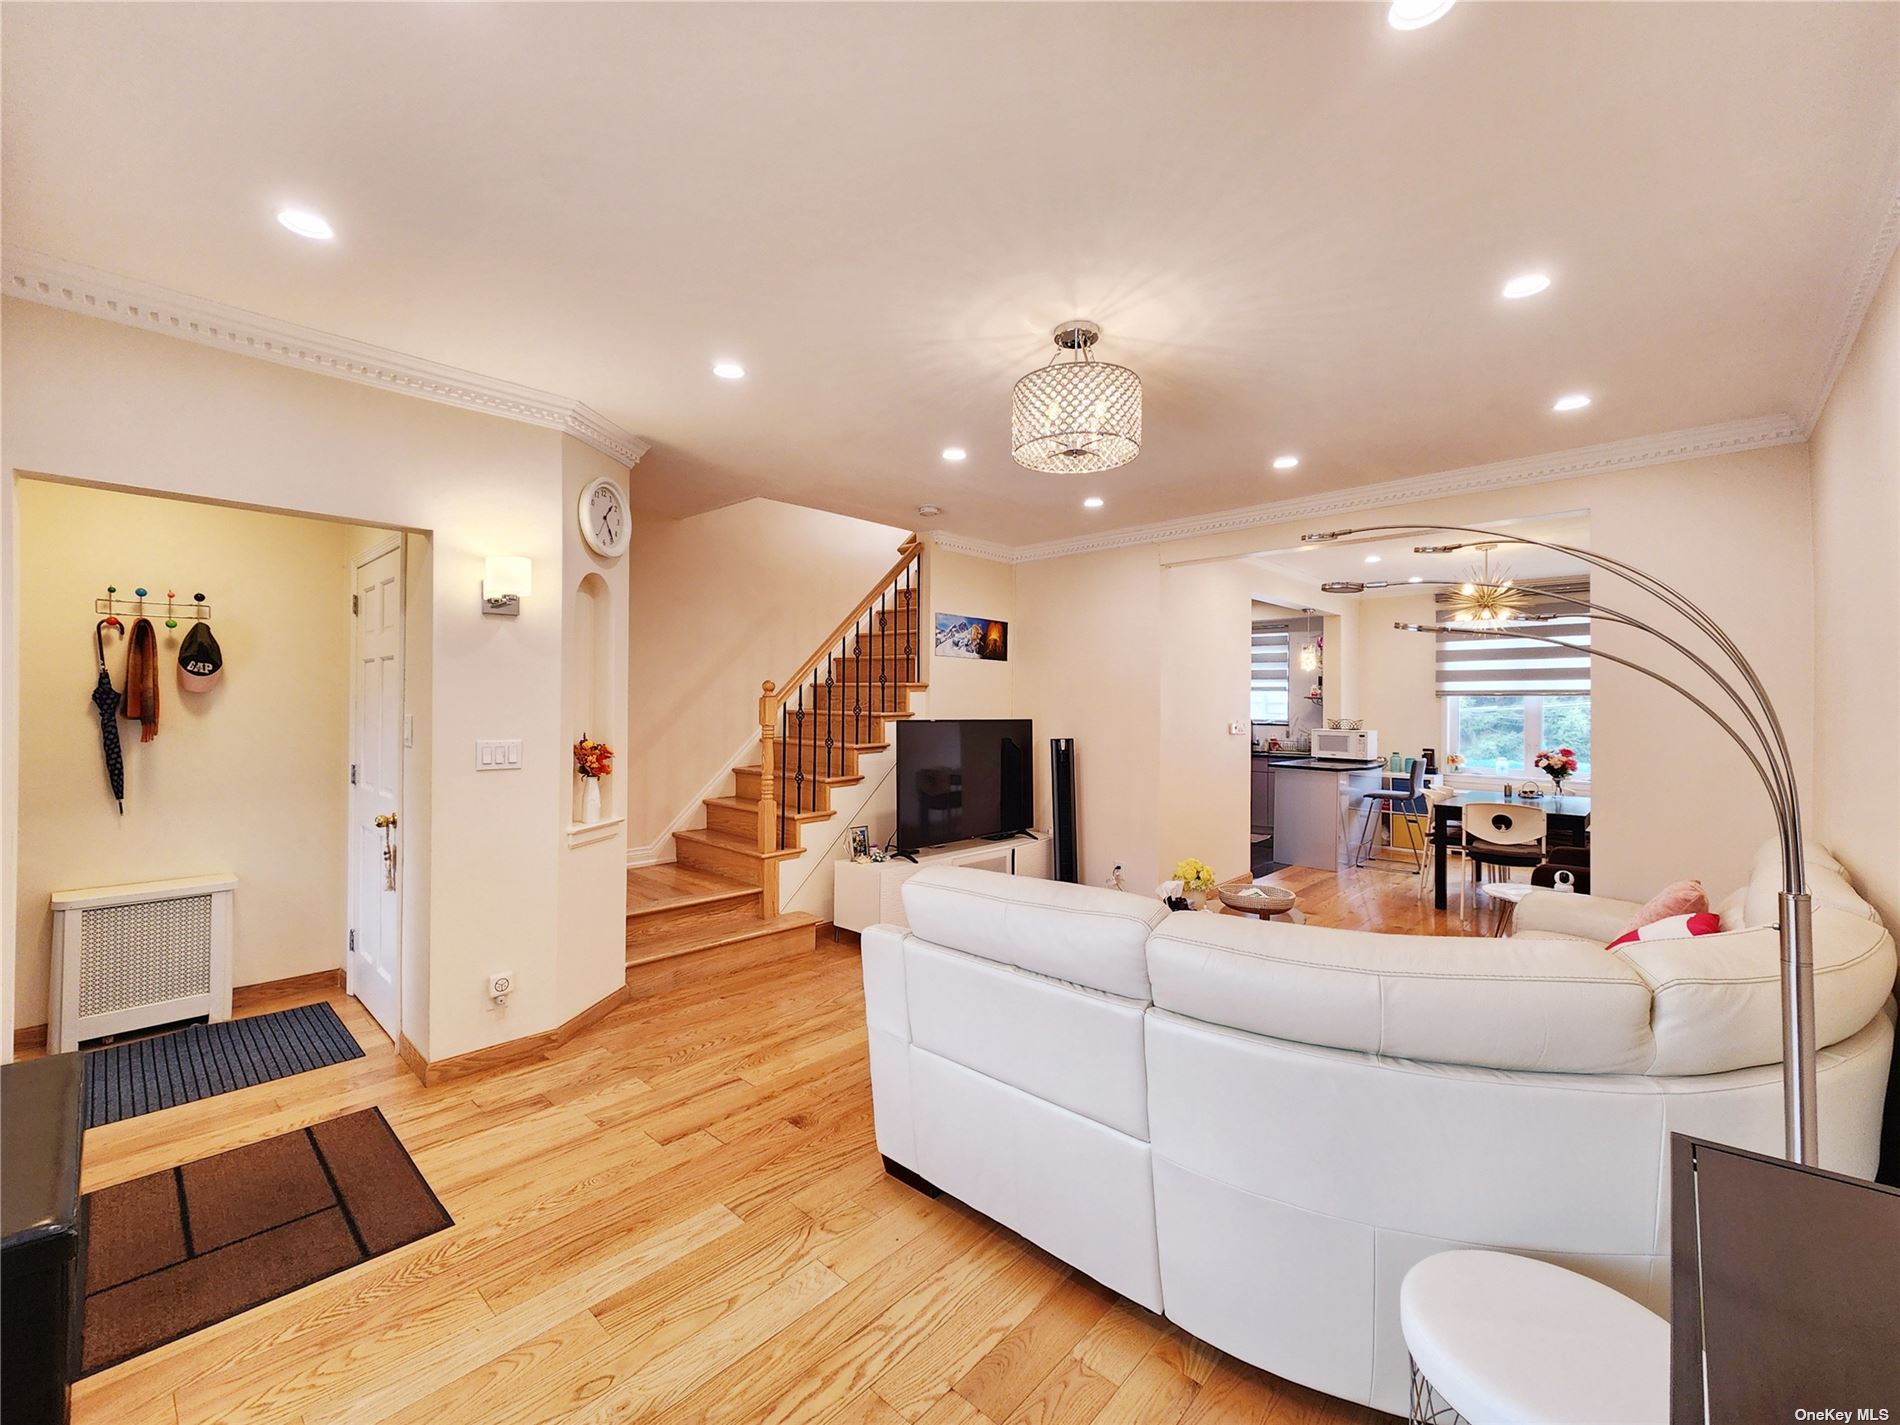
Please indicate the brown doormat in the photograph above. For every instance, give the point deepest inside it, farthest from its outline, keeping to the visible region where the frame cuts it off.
(173, 1252)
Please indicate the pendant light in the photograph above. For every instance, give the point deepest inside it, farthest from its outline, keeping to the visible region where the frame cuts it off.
(1076, 416)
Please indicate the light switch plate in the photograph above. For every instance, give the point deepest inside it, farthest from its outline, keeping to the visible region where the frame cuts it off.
(498, 754)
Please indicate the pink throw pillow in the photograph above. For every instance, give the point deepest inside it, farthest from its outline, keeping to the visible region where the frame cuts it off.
(1682, 898)
(1674, 927)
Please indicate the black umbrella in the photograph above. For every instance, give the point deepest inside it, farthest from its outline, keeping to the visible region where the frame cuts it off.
(107, 701)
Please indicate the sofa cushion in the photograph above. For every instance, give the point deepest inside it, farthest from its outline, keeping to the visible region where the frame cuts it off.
(1718, 997)
(1672, 927)
(1088, 935)
(1828, 885)
(1678, 898)
(1553, 1005)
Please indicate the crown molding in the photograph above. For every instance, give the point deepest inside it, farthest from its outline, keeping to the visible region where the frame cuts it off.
(1472, 479)
(54, 282)
(1886, 235)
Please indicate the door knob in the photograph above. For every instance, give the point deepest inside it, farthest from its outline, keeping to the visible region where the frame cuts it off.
(386, 819)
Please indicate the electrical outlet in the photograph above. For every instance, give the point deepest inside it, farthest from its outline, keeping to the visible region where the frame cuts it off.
(1234, 729)
(501, 986)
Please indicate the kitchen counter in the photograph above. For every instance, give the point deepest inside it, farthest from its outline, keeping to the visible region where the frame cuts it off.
(1302, 762)
(1314, 812)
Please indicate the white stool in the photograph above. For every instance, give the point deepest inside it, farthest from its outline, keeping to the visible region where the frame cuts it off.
(1498, 1339)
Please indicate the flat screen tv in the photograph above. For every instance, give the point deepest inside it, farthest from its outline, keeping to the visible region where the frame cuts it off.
(957, 780)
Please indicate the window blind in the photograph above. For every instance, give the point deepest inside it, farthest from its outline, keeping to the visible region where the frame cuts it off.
(1481, 664)
(1272, 649)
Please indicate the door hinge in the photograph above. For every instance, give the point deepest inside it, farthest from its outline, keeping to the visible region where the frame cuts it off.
(355, 604)
(352, 942)
(352, 774)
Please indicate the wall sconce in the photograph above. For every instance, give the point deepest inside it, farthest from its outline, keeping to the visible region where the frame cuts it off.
(506, 579)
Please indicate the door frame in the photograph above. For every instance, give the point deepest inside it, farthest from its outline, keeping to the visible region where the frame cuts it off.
(355, 900)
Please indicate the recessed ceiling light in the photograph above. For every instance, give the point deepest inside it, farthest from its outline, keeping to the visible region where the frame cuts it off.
(729, 371)
(1570, 403)
(305, 223)
(954, 452)
(930, 512)
(1417, 14)
(1528, 285)
(1093, 502)
(1416, 579)
(1373, 558)
(1285, 462)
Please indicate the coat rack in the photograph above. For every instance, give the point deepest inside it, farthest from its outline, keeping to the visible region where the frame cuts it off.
(111, 606)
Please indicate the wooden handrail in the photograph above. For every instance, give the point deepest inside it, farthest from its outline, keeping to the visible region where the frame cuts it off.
(774, 699)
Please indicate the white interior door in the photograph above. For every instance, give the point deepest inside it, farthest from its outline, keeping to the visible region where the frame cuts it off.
(376, 787)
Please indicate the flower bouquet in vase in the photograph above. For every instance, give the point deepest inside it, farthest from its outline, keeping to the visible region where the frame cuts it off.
(1195, 879)
(593, 760)
(1559, 766)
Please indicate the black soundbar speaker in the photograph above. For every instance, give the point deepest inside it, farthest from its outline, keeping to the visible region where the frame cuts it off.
(1067, 864)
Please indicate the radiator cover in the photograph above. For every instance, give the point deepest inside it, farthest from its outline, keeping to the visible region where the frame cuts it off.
(129, 957)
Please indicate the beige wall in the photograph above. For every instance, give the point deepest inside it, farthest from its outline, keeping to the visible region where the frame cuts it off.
(278, 589)
(1856, 452)
(1670, 797)
(98, 402)
(974, 588)
(722, 601)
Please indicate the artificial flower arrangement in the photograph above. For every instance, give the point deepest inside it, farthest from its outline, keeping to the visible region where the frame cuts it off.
(1194, 875)
(1453, 761)
(593, 759)
(1556, 765)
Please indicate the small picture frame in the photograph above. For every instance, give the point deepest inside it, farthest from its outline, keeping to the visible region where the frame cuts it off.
(860, 843)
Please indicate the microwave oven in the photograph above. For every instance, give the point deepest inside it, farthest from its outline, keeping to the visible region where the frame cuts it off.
(1340, 742)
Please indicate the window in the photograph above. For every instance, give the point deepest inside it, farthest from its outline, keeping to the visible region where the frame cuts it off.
(1268, 699)
(1501, 733)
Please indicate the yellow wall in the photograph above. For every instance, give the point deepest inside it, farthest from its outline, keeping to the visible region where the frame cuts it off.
(95, 401)
(248, 778)
(1856, 446)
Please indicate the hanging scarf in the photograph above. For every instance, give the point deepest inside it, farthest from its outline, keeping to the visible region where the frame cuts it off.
(141, 679)
(107, 701)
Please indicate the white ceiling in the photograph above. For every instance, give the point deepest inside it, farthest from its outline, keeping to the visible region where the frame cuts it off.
(1292, 220)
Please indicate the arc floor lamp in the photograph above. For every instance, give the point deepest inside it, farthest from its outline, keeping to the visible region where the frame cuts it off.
(1759, 736)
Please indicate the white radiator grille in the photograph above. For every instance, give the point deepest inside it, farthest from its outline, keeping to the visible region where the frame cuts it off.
(129, 957)
(149, 952)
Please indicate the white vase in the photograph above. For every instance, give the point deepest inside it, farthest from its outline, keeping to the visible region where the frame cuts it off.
(590, 800)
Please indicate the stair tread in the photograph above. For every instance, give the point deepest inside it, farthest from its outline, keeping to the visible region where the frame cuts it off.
(669, 885)
(725, 841)
(747, 804)
(839, 781)
(690, 938)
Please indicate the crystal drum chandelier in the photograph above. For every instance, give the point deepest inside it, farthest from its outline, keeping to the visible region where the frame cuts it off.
(1076, 416)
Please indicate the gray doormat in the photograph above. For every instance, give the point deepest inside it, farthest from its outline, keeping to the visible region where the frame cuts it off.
(203, 1060)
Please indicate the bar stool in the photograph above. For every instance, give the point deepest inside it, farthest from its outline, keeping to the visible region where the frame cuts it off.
(1380, 804)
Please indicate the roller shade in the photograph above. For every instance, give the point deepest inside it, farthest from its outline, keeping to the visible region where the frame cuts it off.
(1481, 664)
(1272, 651)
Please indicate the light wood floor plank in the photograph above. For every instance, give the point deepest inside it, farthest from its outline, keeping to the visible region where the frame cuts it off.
(681, 1215)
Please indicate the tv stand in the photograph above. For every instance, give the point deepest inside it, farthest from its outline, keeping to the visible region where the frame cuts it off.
(866, 893)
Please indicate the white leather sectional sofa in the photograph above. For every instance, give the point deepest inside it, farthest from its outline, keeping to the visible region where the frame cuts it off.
(1257, 1128)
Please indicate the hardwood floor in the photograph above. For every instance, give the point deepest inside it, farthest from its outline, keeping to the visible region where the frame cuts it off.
(681, 1215)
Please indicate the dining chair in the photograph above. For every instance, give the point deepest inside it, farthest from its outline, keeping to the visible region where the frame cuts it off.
(1500, 836)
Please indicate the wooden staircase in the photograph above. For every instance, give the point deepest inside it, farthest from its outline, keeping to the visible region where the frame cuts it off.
(715, 907)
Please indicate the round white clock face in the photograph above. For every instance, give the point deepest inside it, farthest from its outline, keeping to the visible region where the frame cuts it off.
(604, 524)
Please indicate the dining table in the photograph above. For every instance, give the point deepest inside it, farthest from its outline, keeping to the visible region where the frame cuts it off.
(1569, 818)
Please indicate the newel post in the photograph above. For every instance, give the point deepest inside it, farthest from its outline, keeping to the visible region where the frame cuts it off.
(768, 768)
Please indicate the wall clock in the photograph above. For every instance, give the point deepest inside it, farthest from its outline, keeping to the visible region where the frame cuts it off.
(603, 515)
